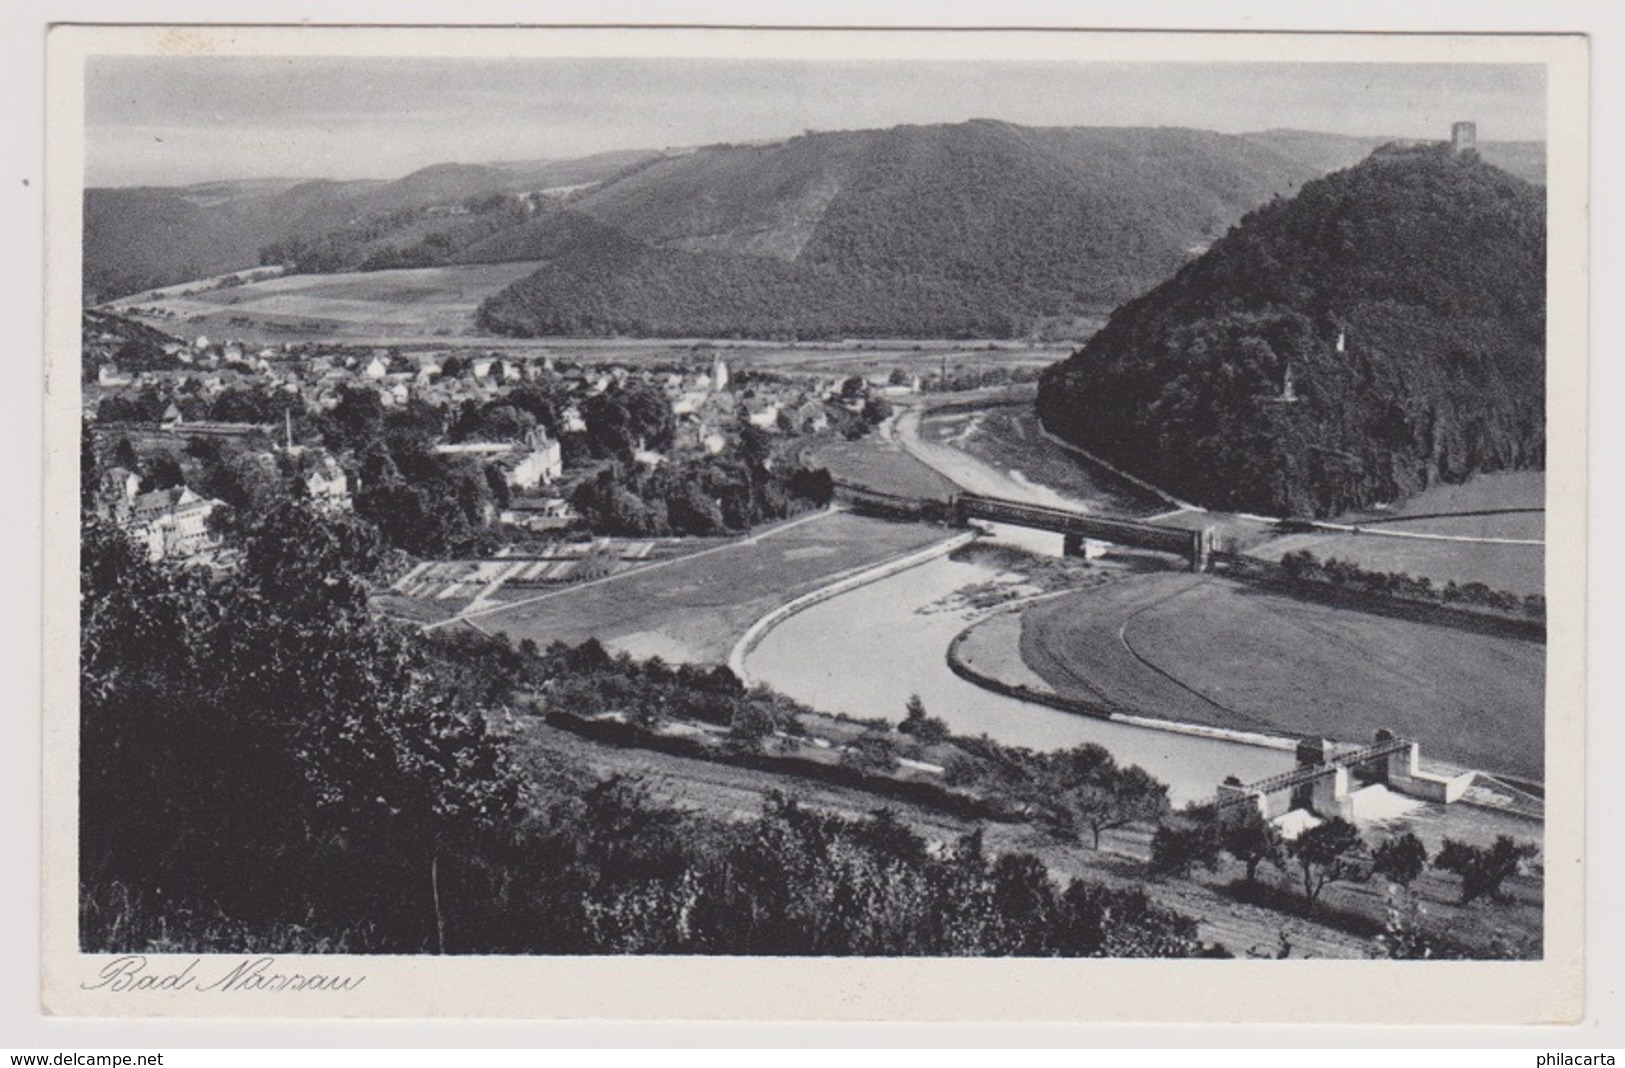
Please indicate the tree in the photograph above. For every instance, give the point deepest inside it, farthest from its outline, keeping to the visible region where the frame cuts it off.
(1400, 859)
(876, 410)
(751, 726)
(1252, 839)
(124, 455)
(755, 446)
(1084, 787)
(250, 735)
(1322, 853)
(1483, 870)
(357, 418)
(929, 730)
(623, 418)
(1177, 850)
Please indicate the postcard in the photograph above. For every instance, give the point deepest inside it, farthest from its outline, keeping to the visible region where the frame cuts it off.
(815, 524)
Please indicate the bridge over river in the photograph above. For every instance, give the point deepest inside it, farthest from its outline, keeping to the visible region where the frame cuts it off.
(1075, 528)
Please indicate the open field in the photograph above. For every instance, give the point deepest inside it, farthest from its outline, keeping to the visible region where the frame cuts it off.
(879, 463)
(434, 306)
(1512, 499)
(428, 302)
(1203, 650)
(695, 608)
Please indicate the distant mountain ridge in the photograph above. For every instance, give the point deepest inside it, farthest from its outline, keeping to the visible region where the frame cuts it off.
(981, 228)
(975, 229)
(1380, 331)
(143, 237)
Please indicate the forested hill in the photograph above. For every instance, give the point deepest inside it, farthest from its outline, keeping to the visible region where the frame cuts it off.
(980, 228)
(1430, 266)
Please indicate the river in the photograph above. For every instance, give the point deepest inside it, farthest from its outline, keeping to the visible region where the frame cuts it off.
(864, 652)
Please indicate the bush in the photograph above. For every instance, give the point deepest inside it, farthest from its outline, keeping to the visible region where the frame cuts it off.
(1483, 870)
(870, 751)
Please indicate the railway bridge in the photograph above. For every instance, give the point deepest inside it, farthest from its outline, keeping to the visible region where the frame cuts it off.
(1196, 546)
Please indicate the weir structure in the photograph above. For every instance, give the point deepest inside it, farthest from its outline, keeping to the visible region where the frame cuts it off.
(1325, 780)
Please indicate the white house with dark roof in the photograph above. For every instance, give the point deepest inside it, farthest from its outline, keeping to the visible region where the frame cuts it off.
(170, 523)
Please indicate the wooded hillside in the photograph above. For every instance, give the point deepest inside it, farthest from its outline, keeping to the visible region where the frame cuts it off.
(1431, 267)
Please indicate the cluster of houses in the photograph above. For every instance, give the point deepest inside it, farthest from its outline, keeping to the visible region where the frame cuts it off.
(709, 406)
(173, 523)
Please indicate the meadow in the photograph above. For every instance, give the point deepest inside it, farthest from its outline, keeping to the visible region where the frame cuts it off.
(1204, 650)
(428, 302)
(1513, 500)
(877, 463)
(695, 608)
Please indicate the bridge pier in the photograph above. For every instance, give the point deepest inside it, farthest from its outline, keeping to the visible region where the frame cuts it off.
(1233, 800)
(1329, 794)
(1202, 549)
(1083, 548)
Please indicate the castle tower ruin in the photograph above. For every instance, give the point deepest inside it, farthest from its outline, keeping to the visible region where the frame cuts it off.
(1463, 137)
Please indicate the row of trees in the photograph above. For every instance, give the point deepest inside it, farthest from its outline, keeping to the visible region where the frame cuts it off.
(1304, 566)
(1070, 791)
(1330, 851)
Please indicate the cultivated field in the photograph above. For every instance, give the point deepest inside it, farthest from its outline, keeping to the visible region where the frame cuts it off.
(1203, 650)
(694, 609)
(428, 302)
(1513, 498)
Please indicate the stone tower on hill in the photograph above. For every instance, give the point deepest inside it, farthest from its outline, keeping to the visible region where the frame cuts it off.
(1463, 136)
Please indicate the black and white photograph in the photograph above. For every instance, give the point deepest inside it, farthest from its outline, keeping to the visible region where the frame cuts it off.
(782, 498)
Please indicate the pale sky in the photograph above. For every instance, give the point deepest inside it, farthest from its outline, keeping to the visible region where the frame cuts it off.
(177, 119)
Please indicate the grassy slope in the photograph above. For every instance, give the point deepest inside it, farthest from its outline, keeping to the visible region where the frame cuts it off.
(1238, 658)
(694, 610)
(1516, 568)
(876, 463)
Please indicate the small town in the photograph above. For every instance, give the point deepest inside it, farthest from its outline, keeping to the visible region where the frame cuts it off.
(188, 428)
